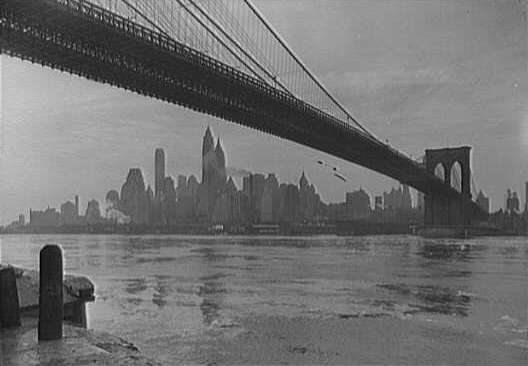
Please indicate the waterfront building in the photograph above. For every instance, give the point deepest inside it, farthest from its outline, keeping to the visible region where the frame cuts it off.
(93, 213)
(47, 218)
(357, 204)
(68, 213)
(254, 189)
(289, 203)
(133, 201)
(270, 201)
(309, 200)
(266, 205)
(512, 202)
(397, 200)
(483, 201)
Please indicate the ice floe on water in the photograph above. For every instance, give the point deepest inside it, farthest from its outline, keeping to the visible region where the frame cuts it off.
(522, 343)
(508, 324)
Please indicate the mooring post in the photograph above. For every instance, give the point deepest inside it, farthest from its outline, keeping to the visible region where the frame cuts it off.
(51, 311)
(9, 306)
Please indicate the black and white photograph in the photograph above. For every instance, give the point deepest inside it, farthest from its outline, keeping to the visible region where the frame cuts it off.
(263, 182)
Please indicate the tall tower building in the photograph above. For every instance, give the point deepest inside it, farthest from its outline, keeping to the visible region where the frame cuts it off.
(207, 154)
(159, 173)
(134, 201)
(76, 205)
(220, 164)
(214, 175)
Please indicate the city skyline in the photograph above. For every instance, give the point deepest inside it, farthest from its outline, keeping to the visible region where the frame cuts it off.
(388, 199)
(157, 187)
(396, 78)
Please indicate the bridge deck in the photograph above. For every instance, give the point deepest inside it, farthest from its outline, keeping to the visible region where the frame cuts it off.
(84, 39)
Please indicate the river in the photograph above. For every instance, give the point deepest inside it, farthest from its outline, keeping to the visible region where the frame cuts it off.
(314, 300)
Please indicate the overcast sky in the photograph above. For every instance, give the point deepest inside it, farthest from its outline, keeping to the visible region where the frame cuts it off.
(421, 74)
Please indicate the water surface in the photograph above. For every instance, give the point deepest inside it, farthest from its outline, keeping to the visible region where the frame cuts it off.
(378, 300)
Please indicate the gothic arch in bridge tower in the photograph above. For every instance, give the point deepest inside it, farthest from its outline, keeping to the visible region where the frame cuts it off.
(456, 176)
(440, 171)
(444, 210)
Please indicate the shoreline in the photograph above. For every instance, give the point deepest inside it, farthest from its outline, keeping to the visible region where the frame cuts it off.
(79, 346)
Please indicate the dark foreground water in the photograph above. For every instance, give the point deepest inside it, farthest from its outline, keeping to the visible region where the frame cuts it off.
(320, 300)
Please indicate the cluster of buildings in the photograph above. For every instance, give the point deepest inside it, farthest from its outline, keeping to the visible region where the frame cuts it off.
(192, 205)
(68, 216)
(391, 212)
(513, 219)
(215, 200)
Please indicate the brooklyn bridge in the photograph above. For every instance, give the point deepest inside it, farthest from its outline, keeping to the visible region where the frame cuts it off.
(223, 58)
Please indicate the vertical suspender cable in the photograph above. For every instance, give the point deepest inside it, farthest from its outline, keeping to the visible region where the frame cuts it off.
(235, 43)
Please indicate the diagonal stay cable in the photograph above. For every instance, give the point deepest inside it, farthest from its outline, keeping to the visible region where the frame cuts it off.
(303, 66)
(219, 39)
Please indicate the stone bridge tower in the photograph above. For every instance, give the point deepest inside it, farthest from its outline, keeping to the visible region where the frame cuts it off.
(449, 210)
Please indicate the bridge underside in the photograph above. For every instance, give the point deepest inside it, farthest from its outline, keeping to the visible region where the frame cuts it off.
(83, 39)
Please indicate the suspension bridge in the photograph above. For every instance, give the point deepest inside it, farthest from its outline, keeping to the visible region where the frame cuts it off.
(222, 58)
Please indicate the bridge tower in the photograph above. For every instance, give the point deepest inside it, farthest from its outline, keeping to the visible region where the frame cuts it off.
(449, 210)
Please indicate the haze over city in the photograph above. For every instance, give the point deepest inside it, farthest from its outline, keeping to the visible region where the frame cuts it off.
(418, 74)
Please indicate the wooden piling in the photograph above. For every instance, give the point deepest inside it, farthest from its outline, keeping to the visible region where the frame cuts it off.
(9, 306)
(51, 311)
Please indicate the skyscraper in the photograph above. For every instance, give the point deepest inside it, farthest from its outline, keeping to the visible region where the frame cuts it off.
(309, 200)
(397, 199)
(68, 213)
(270, 201)
(133, 201)
(207, 155)
(159, 173)
(213, 173)
(255, 187)
(358, 204)
(77, 205)
(93, 213)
